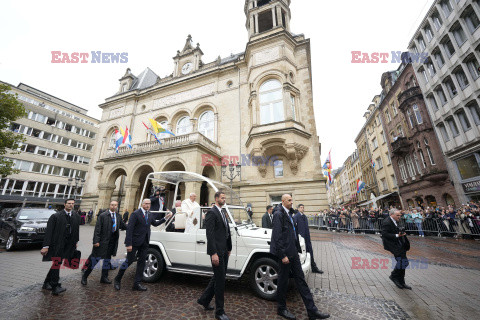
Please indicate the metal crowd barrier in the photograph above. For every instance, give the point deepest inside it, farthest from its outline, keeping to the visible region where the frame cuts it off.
(426, 227)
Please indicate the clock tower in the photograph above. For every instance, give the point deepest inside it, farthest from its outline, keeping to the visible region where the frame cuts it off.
(188, 60)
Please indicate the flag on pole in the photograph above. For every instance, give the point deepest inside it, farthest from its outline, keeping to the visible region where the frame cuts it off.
(360, 185)
(118, 140)
(327, 166)
(127, 138)
(158, 128)
(151, 132)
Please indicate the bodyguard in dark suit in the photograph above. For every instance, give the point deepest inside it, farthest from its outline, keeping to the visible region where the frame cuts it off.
(219, 246)
(61, 238)
(136, 240)
(267, 219)
(397, 243)
(301, 221)
(105, 242)
(286, 247)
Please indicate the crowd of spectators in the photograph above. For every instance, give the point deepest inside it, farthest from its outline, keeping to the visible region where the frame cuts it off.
(450, 221)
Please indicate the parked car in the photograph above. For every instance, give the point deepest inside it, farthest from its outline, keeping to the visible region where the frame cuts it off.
(187, 252)
(23, 225)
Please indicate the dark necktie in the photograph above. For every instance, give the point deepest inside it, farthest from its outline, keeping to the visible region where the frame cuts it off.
(146, 217)
(224, 216)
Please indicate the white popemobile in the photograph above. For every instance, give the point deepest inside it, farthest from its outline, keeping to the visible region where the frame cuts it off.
(186, 252)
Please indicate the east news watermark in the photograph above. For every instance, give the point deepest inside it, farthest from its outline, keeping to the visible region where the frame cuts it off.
(359, 263)
(389, 57)
(89, 57)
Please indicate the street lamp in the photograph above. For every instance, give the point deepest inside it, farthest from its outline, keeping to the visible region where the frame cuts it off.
(231, 174)
(75, 183)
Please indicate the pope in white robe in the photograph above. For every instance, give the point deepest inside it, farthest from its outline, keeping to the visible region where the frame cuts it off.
(192, 211)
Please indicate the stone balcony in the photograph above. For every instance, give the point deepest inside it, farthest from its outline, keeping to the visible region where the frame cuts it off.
(401, 146)
(177, 142)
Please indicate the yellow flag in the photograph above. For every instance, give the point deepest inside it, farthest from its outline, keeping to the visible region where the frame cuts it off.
(154, 125)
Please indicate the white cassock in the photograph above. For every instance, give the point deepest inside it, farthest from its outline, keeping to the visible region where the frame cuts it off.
(192, 210)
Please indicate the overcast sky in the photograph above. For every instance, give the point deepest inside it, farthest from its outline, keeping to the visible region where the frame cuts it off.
(152, 32)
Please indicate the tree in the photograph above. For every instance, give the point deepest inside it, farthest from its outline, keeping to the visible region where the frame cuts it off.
(10, 110)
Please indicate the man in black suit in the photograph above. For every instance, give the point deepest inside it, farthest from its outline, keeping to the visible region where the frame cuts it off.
(301, 221)
(61, 238)
(105, 242)
(219, 246)
(267, 219)
(286, 247)
(397, 243)
(158, 202)
(137, 240)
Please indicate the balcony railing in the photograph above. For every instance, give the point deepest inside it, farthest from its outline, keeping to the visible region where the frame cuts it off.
(195, 138)
(401, 145)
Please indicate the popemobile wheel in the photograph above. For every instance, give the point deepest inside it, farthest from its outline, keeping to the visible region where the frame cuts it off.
(264, 278)
(154, 265)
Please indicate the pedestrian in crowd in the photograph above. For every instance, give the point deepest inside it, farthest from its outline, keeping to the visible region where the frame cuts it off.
(219, 246)
(418, 219)
(137, 240)
(105, 242)
(125, 216)
(267, 219)
(395, 240)
(301, 221)
(60, 242)
(286, 246)
(90, 214)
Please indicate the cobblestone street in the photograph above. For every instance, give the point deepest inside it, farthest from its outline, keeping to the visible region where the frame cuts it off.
(446, 288)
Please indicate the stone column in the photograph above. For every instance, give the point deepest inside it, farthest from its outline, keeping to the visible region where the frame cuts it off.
(254, 110)
(287, 104)
(105, 192)
(131, 190)
(256, 25)
(274, 17)
(279, 17)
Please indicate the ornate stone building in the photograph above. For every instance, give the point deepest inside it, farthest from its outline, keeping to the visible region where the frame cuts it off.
(257, 103)
(417, 157)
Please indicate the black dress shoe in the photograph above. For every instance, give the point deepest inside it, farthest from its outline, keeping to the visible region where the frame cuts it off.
(405, 286)
(105, 280)
(286, 314)
(46, 286)
(397, 283)
(116, 284)
(205, 307)
(139, 287)
(221, 317)
(84, 280)
(57, 290)
(318, 315)
(316, 270)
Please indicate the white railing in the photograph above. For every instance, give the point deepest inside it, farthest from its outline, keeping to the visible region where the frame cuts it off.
(167, 143)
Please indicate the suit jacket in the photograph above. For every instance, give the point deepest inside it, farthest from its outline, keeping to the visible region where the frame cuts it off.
(397, 246)
(266, 222)
(138, 230)
(301, 222)
(284, 242)
(56, 232)
(103, 234)
(219, 238)
(156, 205)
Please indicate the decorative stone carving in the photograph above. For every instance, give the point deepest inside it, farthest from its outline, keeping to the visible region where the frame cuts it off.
(117, 112)
(184, 96)
(267, 55)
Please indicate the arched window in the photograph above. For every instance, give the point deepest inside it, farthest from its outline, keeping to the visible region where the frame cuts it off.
(184, 126)
(112, 141)
(410, 167)
(418, 115)
(403, 172)
(206, 125)
(278, 168)
(271, 102)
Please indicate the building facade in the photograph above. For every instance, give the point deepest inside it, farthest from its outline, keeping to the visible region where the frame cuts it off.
(257, 103)
(450, 82)
(417, 158)
(55, 158)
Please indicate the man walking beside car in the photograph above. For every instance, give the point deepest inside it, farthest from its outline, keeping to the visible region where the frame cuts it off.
(219, 246)
(286, 247)
(105, 242)
(267, 219)
(61, 238)
(137, 240)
